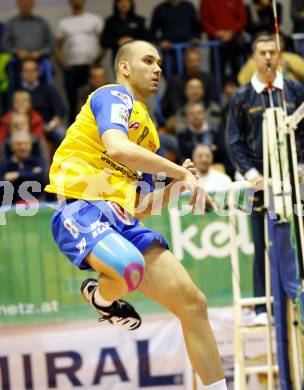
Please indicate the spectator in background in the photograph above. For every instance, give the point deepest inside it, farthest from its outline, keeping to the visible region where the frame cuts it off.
(76, 49)
(211, 179)
(297, 15)
(27, 35)
(260, 17)
(174, 96)
(197, 131)
(97, 78)
(225, 21)
(123, 26)
(20, 167)
(45, 100)
(18, 123)
(195, 93)
(175, 21)
(292, 64)
(22, 104)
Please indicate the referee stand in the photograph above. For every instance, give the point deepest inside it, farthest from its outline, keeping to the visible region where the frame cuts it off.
(241, 367)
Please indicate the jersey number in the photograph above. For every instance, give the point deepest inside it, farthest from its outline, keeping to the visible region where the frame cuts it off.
(143, 135)
(70, 226)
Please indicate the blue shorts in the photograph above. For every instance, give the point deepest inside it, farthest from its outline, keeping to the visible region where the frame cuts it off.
(78, 225)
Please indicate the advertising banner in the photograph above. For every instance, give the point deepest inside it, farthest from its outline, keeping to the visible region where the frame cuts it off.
(90, 356)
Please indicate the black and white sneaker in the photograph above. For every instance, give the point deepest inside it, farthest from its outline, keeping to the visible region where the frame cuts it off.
(120, 313)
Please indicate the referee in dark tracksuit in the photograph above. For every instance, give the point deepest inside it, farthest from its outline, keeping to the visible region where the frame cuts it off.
(245, 137)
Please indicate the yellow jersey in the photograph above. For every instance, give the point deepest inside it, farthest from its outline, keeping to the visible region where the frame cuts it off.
(81, 168)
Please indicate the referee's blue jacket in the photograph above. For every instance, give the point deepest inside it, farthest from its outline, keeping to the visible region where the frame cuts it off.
(244, 125)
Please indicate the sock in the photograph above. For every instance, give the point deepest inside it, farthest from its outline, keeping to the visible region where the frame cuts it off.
(221, 385)
(99, 300)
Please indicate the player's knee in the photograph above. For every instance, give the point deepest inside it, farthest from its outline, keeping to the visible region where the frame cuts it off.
(194, 303)
(124, 258)
(134, 270)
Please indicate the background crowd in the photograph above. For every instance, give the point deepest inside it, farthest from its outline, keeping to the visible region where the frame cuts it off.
(198, 84)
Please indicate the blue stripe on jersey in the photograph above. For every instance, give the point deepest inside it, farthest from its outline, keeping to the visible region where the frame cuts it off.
(112, 107)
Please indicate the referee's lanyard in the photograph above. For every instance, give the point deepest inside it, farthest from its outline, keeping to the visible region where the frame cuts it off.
(275, 99)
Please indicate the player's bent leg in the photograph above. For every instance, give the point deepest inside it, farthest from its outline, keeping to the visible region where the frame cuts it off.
(121, 267)
(167, 282)
(110, 282)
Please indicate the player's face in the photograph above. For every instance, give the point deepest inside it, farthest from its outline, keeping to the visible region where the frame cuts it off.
(145, 70)
(266, 57)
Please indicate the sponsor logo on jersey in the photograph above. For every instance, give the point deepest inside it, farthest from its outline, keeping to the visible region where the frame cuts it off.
(99, 227)
(81, 245)
(119, 114)
(125, 98)
(134, 125)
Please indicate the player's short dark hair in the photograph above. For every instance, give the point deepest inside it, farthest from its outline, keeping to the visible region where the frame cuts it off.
(262, 38)
(125, 50)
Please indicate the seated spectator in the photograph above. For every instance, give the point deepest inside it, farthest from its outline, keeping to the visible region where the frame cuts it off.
(175, 21)
(297, 15)
(76, 49)
(174, 97)
(27, 35)
(45, 100)
(97, 78)
(292, 63)
(211, 179)
(197, 131)
(20, 167)
(21, 122)
(225, 21)
(21, 105)
(260, 17)
(123, 26)
(195, 93)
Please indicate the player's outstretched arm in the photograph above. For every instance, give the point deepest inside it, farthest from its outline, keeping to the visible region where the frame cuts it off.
(133, 156)
(121, 149)
(155, 201)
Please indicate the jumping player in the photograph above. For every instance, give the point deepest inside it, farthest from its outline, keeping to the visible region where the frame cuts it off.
(95, 173)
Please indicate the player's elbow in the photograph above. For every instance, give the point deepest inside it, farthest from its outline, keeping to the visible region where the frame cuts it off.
(116, 152)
